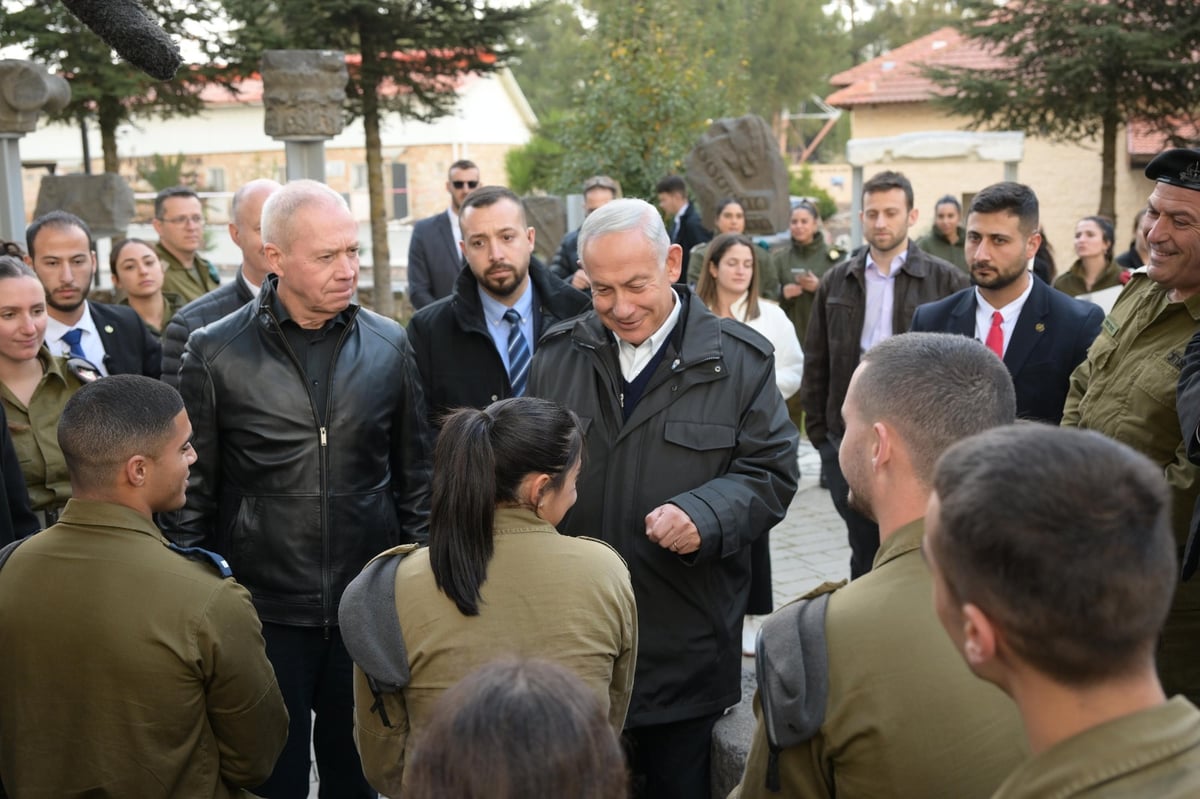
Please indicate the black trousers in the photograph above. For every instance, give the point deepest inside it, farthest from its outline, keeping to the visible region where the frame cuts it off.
(315, 675)
(861, 531)
(671, 761)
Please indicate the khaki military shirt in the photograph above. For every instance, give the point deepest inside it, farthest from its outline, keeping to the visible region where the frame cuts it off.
(190, 284)
(905, 717)
(1126, 390)
(1074, 283)
(34, 431)
(127, 669)
(816, 257)
(1152, 753)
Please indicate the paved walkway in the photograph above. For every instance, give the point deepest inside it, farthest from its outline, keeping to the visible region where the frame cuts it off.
(809, 546)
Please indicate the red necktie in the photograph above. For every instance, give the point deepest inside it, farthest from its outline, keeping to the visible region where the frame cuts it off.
(995, 336)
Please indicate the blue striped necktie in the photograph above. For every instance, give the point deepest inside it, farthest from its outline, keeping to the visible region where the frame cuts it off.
(71, 337)
(518, 353)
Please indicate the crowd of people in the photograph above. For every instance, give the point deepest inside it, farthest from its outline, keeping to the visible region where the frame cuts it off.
(520, 547)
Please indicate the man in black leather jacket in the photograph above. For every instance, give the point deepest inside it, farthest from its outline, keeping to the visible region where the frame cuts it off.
(313, 457)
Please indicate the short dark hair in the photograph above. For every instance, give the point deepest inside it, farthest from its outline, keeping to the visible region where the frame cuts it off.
(724, 202)
(888, 180)
(935, 389)
(461, 163)
(1063, 537)
(107, 422)
(1107, 234)
(706, 286)
(56, 220)
(117, 247)
(12, 266)
(948, 199)
(1013, 198)
(168, 193)
(479, 461)
(805, 205)
(671, 184)
(486, 196)
(514, 729)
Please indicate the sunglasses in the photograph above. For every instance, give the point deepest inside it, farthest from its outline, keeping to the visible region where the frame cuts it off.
(465, 184)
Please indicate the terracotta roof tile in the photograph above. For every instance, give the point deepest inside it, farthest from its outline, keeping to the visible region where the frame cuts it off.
(895, 77)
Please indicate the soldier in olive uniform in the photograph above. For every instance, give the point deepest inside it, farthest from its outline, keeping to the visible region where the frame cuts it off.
(128, 666)
(1073, 647)
(1126, 388)
(861, 695)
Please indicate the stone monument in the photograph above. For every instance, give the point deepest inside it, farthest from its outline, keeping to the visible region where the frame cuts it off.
(738, 158)
(548, 216)
(104, 201)
(26, 90)
(304, 96)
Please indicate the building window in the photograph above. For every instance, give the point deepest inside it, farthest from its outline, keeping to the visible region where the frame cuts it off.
(399, 191)
(358, 179)
(214, 179)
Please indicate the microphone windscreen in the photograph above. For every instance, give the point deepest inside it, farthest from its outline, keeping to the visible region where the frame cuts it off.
(128, 28)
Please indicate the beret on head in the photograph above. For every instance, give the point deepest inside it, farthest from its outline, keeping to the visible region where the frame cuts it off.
(1179, 167)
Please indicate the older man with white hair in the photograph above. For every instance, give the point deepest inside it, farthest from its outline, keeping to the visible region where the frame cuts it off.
(310, 427)
(690, 457)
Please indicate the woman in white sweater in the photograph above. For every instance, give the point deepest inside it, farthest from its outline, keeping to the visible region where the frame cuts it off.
(729, 287)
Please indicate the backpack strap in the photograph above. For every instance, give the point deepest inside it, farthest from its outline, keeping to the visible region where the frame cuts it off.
(371, 629)
(792, 665)
(8, 549)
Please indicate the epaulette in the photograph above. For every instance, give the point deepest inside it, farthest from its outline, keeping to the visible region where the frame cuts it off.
(835, 255)
(747, 334)
(792, 665)
(204, 556)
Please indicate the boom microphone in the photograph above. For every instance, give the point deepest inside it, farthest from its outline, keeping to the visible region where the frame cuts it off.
(129, 29)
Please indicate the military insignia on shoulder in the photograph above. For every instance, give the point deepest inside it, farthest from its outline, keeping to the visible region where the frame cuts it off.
(83, 369)
(204, 556)
(826, 587)
(835, 254)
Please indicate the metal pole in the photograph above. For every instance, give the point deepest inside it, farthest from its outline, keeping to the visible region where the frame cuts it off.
(856, 186)
(305, 159)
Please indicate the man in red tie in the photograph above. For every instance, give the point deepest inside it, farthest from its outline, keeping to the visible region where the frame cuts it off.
(1040, 333)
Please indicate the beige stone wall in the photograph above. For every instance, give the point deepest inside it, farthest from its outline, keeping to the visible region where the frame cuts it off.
(1066, 177)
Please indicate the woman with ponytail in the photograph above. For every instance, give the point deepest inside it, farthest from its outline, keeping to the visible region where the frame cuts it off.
(498, 580)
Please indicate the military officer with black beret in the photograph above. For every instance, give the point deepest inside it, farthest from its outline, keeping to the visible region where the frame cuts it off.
(1126, 388)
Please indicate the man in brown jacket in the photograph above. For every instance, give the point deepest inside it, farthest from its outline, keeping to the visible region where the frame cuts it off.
(861, 302)
(128, 666)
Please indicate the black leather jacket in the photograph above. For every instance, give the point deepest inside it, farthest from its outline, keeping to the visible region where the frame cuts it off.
(297, 508)
(216, 304)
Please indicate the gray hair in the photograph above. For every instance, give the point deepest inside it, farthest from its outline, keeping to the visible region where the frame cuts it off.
(281, 206)
(623, 215)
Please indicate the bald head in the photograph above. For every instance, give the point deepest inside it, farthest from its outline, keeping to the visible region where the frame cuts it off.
(245, 227)
(283, 205)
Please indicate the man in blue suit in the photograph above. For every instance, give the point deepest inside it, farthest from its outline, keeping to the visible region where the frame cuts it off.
(1040, 333)
(434, 255)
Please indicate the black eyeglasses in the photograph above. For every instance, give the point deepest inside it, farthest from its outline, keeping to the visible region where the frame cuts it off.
(465, 184)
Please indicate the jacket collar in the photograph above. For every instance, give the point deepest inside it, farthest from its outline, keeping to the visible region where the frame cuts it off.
(549, 293)
(901, 542)
(700, 339)
(913, 264)
(268, 298)
(94, 513)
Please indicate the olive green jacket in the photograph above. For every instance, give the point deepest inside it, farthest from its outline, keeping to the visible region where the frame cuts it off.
(816, 257)
(1073, 282)
(190, 284)
(130, 670)
(937, 244)
(904, 715)
(546, 596)
(1126, 389)
(34, 431)
(1151, 753)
